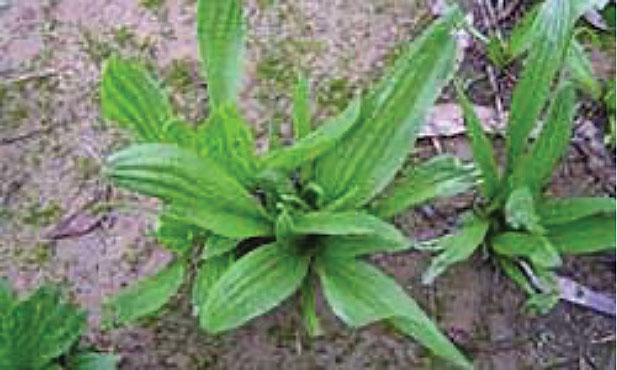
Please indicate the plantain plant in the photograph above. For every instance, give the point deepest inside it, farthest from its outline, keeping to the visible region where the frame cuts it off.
(525, 231)
(298, 216)
(39, 332)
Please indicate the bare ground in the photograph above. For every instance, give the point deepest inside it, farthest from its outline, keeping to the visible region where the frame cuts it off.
(53, 141)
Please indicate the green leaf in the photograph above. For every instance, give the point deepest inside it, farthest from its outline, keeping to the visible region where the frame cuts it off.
(521, 213)
(220, 33)
(94, 361)
(559, 211)
(315, 143)
(536, 167)
(481, 146)
(302, 109)
(256, 283)
(523, 34)
(176, 131)
(347, 246)
(579, 66)
(176, 235)
(217, 245)
(346, 223)
(145, 297)
(198, 191)
(38, 329)
(511, 269)
(586, 235)
(227, 140)
(372, 151)
(359, 294)
(7, 297)
(131, 97)
(538, 249)
(457, 247)
(210, 271)
(545, 58)
(309, 313)
(442, 176)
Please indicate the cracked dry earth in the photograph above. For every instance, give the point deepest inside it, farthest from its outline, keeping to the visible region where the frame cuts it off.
(53, 142)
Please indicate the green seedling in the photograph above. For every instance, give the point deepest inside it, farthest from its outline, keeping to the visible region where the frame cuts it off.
(297, 218)
(525, 231)
(40, 332)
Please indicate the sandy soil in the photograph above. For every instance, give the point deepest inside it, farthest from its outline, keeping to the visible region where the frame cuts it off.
(53, 141)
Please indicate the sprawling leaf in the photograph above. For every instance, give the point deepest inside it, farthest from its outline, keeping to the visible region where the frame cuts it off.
(197, 189)
(220, 32)
(481, 146)
(369, 155)
(537, 248)
(457, 247)
(346, 223)
(357, 245)
(94, 361)
(132, 98)
(442, 176)
(580, 68)
(523, 34)
(217, 245)
(253, 285)
(511, 269)
(176, 235)
(37, 330)
(315, 143)
(227, 140)
(359, 294)
(145, 297)
(210, 271)
(520, 211)
(309, 305)
(302, 109)
(559, 211)
(536, 166)
(586, 235)
(544, 60)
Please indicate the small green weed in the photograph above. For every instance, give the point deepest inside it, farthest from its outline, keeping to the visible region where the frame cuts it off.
(525, 231)
(40, 332)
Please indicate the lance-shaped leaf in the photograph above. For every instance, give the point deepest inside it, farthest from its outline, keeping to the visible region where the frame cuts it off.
(131, 97)
(38, 329)
(94, 361)
(520, 211)
(315, 143)
(579, 66)
(586, 235)
(145, 297)
(545, 58)
(227, 140)
(197, 189)
(217, 245)
(535, 168)
(369, 155)
(359, 294)
(176, 235)
(537, 249)
(302, 108)
(302, 118)
(346, 223)
(442, 176)
(220, 33)
(457, 247)
(348, 246)
(210, 271)
(256, 283)
(560, 211)
(481, 145)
